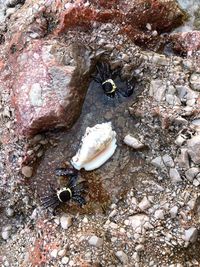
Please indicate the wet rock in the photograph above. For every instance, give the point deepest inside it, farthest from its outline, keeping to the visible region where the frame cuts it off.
(194, 149)
(174, 175)
(192, 173)
(51, 95)
(122, 257)
(95, 241)
(133, 142)
(191, 234)
(27, 171)
(65, 221)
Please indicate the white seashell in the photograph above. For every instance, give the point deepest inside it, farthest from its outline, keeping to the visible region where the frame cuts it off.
(98, 145)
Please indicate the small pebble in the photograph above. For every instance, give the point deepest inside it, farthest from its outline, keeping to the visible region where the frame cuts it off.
(122, 257)
(65, 260)
(65, 221)
(54, 253)
(95, 241)
(27, 171)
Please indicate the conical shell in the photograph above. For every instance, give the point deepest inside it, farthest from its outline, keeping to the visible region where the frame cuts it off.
(98, 145)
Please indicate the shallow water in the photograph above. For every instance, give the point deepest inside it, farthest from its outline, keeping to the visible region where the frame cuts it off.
(117, 175)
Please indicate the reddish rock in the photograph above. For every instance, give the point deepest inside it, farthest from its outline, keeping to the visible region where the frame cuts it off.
(186, 41)
(47, 93)
(135, 14)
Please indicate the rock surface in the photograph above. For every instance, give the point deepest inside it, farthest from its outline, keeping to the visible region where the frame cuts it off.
(50, 95)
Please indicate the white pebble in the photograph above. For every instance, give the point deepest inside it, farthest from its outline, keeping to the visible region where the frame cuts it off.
(65, 221)
(122, 257)
(5, 235)
(144, 204)
(95, 241)
(54, 253)
(65, 260)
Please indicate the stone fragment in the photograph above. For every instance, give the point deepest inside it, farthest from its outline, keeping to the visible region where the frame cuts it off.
(138, 221)
(95, 241)
(144, 204)
(194, 148)
(54, 253)
(158, 162)
(9, 212)
(62, 252)
(122, 257)
(192, 173)
(65, 221)
(133, 142)
(27, 171)
(173, 211)
(196, 182)
(157, 90)
(159, 214)
(168, 161)
(174, 175)
(180, 140)
(183, 159)
(5, 234)
(195, 81)
(65, 260)
(191, 235)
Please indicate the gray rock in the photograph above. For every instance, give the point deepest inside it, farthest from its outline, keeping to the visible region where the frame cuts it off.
(182, 92)
(65, 221)
(144, 204)
(183, 159)
(27, 171)
(158, 162)
(195, 81)
(174, 175)
(168, 161)
(159, 214)
(173, 211)
(196, 122)
(95, 241)
(157, 90)
(122, 257)
(180, 140)
(138, 221)
(192, 173)
(5, 234)
(9, 212)
(191, 235)
(194, 148)
(196, 182)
